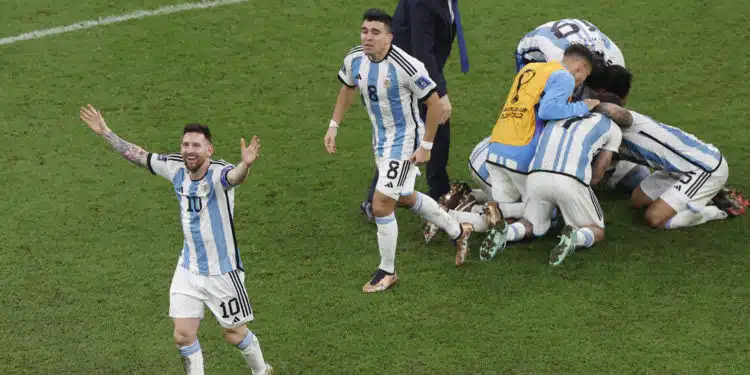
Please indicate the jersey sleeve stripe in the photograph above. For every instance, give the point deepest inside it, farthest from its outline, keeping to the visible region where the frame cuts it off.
(345, 84)
(355, 50)
(404, 62)
(148, 163)
(426, 96)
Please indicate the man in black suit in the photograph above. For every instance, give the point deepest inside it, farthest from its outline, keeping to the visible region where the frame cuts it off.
(425, 29)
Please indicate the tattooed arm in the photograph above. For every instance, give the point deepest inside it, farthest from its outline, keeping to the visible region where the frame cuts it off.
(619, 115)
(129, 151)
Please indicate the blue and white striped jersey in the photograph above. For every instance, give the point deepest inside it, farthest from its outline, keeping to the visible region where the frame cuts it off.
(391, 90)
(206, 212)
(568, 146)
(548, 42)
(667, 148)
(478, 160)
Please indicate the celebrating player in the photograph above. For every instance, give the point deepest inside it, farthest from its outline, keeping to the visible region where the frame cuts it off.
(549, 41)
(391, 84)
(540, 92)
(209, 270)
(561, 175)
(689, 172)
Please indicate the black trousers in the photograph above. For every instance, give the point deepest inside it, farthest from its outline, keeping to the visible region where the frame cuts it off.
(438, 182)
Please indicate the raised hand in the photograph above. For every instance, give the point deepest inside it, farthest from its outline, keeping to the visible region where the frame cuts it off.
(250, 152)
(330, 140)
(93, 119)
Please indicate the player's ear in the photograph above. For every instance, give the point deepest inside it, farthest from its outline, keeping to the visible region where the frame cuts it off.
(210, 149)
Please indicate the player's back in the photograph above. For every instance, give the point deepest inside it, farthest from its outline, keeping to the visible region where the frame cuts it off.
(568, 146)
(668, 148)
(478, 159)
(549, 41)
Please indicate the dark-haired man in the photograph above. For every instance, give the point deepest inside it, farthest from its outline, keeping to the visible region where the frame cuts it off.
(540, 92)
(209, 271)
(391, 84)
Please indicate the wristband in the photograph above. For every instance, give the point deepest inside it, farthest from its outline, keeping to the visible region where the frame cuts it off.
(426, 145)
(333, 124)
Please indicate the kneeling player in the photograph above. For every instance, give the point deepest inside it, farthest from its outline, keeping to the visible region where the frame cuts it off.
(560, 175)
(689, 172)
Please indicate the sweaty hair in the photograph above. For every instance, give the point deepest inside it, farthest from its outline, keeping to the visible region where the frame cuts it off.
(377, 15)
(580, 51)
(598, 77)
(197, 128)
(608, 97)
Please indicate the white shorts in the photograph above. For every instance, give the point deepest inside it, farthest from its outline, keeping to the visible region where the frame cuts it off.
(224, 294)
(507, 186)
(483, 187)
(396, 177)
(577, 202)
(692, 190)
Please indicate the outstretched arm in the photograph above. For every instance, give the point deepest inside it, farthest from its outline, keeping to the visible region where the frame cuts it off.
(249, 154)
(129, 151)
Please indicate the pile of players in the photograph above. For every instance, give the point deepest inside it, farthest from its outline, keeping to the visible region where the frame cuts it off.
(546, 152)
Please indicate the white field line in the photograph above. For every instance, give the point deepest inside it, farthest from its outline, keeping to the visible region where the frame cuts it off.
(115, 19)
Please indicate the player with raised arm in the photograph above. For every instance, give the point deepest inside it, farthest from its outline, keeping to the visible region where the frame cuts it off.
(391, 83)
(561, 174)
(549, 41)
(540, 92)
(689, 172)
(209, 270)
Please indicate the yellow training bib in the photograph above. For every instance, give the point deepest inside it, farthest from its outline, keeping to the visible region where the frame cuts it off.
(517, 121)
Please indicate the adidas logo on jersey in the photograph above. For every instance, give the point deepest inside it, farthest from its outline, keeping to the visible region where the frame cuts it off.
(389, 185)
(359, 76)
(236, 320)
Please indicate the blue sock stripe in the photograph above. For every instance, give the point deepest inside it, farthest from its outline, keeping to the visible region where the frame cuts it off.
(246, 341)
(418, 204)
(588, 238)
(515, 231)
(668, 225)
(385, 219)
(190, 349)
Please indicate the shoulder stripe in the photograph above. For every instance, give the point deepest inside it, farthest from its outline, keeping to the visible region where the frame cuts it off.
(355, 50)
(219, 162)
(403, 62)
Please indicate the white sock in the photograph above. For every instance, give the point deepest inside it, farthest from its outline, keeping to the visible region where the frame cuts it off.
(473, 218)
(387, 238)
(688, 218)
(584, 237)
(516, 231)
(193, 358)
(480, 195)
(250, 348)
(430, 211)
(512, 210)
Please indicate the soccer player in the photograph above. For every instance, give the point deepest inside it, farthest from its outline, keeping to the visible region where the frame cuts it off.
(689, 172)
(540, 92)
(549, 41)
(209, 270)
(561, 174)
(392, 84)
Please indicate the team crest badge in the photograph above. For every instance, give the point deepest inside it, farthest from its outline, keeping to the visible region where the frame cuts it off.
(387, 83)
(203, 188)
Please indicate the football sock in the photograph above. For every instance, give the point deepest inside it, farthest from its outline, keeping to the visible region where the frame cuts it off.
(430, 211)
(193, 358)
(387, 238)
(688, 218)
(250, 349)
(584, 237)
(512, 210)
(516, 231)
(473, 218)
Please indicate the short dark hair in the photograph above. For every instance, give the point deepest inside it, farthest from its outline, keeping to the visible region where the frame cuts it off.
(197, 128)
(581, 51)
(378, 15)
(608, 97)
(620, 80)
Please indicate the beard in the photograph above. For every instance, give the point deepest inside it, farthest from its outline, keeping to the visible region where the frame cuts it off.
(194, 165)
